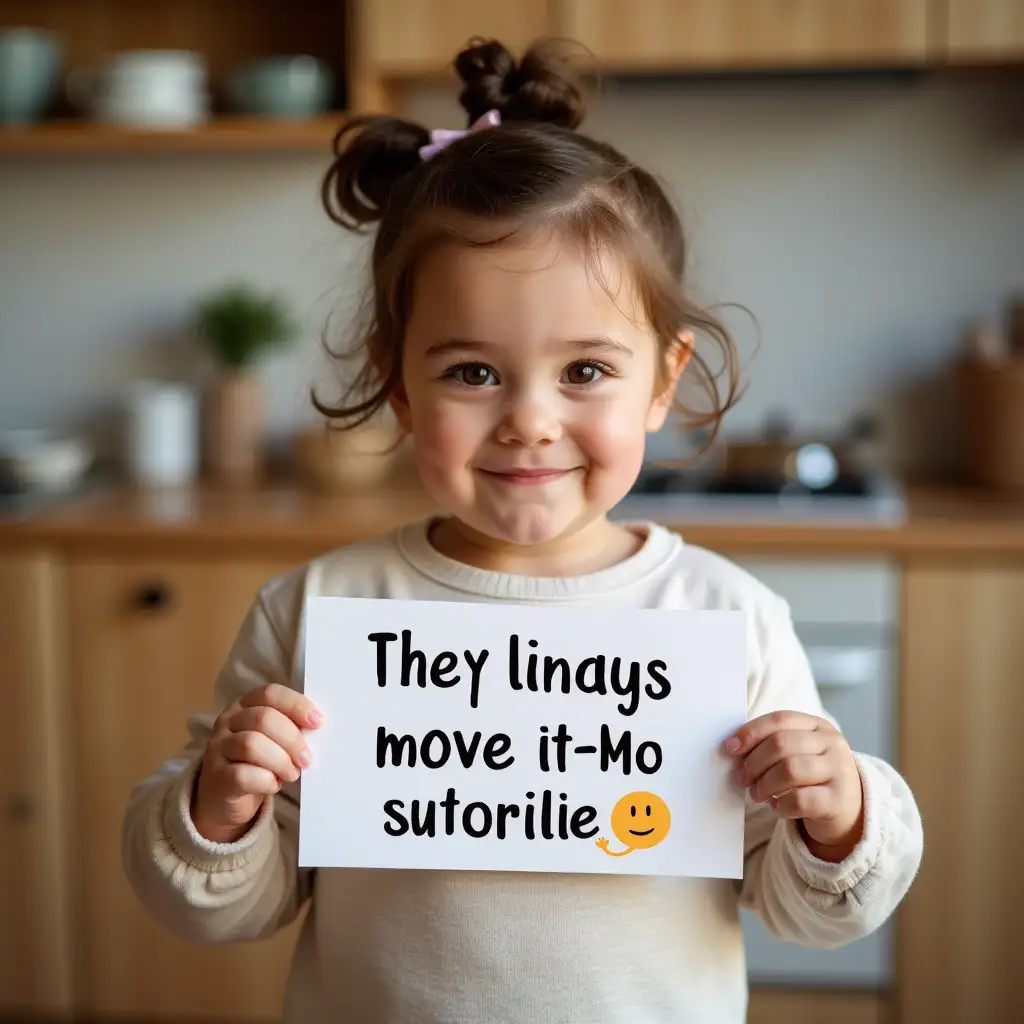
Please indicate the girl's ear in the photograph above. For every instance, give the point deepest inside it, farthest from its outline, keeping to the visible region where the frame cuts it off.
(399, 402)
(675, 361)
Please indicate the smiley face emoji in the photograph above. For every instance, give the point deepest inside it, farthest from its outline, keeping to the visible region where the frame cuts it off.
(640, 820)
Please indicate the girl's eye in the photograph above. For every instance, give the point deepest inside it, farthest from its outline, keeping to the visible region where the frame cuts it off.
(585, 373)
(473, 374)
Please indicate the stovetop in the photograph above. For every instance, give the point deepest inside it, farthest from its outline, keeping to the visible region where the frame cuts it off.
(862, 499)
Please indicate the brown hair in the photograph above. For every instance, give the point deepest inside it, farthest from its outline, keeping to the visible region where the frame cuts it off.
(483, 189)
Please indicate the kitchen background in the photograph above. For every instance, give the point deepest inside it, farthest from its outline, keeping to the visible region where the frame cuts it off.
(865, 222)
(854, 179)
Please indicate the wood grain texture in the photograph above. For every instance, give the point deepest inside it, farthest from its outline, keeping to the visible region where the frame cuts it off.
(409, 37)
(296, 524)
(36, 964)
(962, 705)
(785, 1006)
(221, 135)
(667, 35)
(140, 671)
(982, 31)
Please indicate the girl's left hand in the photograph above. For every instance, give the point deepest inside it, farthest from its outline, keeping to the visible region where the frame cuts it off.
(803, 767)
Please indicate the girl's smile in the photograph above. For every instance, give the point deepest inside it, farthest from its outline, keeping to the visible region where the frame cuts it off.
(525, 477)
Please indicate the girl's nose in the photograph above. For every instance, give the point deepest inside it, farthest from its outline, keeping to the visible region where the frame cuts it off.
(529, 418)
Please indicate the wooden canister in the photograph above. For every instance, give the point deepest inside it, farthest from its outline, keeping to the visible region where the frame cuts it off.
(234, 430)
(993, 423)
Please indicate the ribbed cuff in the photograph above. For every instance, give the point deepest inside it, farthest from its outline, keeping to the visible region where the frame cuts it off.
(251, 850)
(843, 875)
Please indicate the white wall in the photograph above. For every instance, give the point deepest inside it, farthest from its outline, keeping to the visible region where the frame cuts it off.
(863, 222)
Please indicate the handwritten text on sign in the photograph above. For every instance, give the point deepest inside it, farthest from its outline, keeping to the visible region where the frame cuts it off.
(510, 738)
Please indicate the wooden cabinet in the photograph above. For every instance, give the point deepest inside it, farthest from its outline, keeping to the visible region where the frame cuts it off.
(147, 640)
(771, 1006)
(409, 37)
(668, 35)
(963, 755)
(36, 975)
(982, 31)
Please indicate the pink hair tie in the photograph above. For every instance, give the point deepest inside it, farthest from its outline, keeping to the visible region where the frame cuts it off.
(442, 137)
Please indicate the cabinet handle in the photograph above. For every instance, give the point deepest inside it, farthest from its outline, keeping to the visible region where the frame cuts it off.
(153, 596)
(22, 808)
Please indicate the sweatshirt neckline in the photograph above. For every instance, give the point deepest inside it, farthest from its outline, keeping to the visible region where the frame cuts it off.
(413, 542)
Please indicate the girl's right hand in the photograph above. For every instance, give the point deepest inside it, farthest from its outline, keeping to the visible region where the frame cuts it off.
(256, 745)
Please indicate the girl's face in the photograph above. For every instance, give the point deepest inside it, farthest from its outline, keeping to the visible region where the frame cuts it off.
(528, 389)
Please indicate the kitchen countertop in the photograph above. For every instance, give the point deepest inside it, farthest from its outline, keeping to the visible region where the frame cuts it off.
(286, 520)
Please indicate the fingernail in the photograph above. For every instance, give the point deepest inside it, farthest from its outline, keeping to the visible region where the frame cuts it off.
(740, 775)
(315, 718)
(753, 793)
(305, 758)
(732, 744)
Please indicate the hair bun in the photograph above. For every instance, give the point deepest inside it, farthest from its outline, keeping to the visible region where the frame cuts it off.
(372, 154)
(540, 87)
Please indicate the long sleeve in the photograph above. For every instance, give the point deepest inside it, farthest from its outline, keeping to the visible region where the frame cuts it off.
(799, 897)
(214, 892)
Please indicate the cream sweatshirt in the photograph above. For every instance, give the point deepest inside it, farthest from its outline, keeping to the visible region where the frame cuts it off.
(519, 948)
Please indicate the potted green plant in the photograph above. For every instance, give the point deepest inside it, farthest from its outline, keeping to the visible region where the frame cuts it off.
(239, 325)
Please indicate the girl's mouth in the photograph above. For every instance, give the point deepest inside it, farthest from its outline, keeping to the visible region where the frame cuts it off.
(527, 477)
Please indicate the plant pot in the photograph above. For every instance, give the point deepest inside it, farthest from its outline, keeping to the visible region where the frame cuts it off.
(235, 427)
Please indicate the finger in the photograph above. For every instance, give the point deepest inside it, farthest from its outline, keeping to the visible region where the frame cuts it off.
(251, 779)
(276, 726)
(256, 749)
(791, 773)
(747, 736)
(298, 707)
(777, 747)
(812, 802)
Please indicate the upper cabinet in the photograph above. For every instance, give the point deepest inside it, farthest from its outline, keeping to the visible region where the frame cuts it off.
(983, 31)
(670, 35)
(406, 38)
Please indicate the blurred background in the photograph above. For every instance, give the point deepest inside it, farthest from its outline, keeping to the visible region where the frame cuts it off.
(850, 173)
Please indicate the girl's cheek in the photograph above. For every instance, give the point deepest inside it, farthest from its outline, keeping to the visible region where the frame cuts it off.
(612, 430)
(447, 431)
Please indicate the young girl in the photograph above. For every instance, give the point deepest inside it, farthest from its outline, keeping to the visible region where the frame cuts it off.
(529, 331)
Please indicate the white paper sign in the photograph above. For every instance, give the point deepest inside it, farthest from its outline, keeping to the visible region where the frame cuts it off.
(489, 737)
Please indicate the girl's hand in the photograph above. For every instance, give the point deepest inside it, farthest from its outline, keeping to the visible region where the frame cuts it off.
(255, 747)
(803, 767)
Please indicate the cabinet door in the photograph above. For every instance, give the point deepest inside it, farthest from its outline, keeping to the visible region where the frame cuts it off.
(962, 709)
(981, 31)
(148, 639)
(667, 35)
(410, 37)
(35, 937)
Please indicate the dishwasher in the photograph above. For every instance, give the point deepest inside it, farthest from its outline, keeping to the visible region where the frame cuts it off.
(846, 614)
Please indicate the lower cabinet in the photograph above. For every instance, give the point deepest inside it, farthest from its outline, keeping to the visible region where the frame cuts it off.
(962, 709)
(36, 966)
(147, 640)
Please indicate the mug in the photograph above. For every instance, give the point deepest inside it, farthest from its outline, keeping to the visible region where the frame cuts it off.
(29, 61)
(299, 86)
(160, 88)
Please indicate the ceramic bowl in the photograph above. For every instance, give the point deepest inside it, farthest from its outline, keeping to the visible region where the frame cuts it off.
(34, 460)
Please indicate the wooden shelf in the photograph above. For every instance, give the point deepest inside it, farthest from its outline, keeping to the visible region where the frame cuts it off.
(225, 134)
